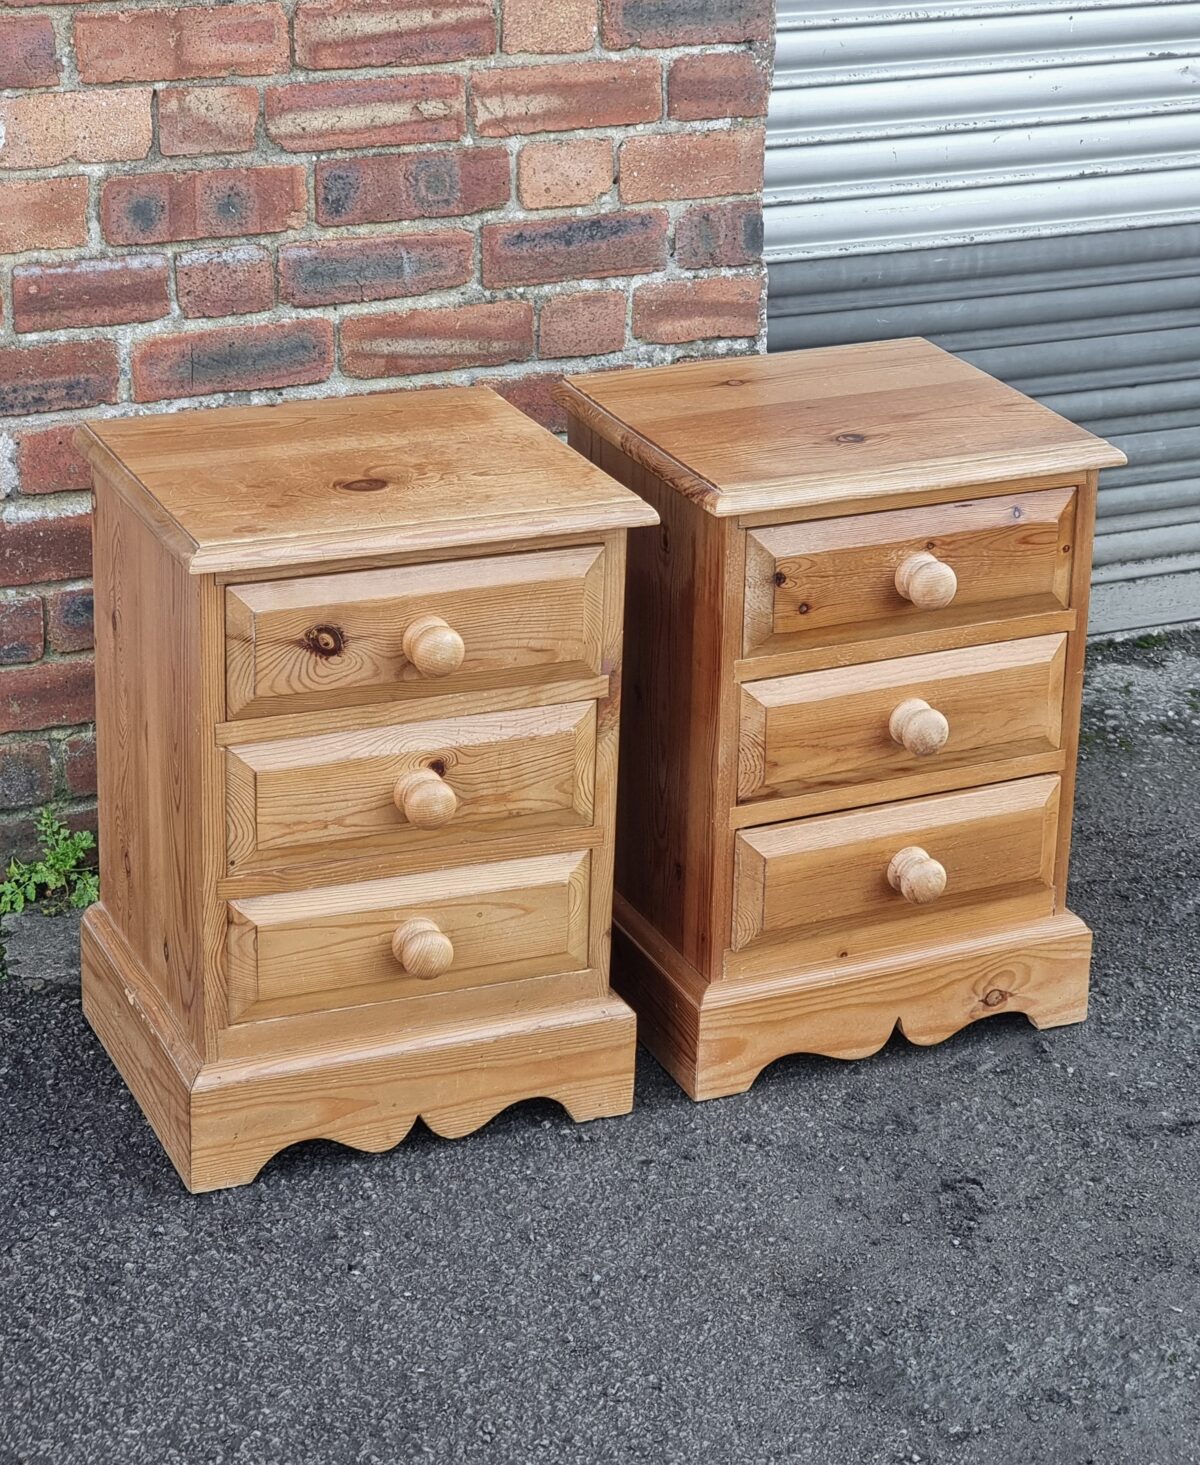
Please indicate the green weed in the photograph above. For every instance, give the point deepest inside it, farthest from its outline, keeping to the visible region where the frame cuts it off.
(55, 881)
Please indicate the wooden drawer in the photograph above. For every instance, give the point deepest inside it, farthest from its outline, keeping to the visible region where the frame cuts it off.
(817, 891)
(830, 730)
(468, 927)
(379, 635)
(413, 785)
(830, 581)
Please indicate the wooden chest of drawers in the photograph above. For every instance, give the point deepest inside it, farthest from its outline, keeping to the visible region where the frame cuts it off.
(358, 669)
(854, 651)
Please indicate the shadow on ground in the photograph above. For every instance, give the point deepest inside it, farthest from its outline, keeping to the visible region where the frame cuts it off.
(983, 1252)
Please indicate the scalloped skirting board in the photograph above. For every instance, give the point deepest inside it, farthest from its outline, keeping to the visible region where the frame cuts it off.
(222, 1122)
(716, 1039)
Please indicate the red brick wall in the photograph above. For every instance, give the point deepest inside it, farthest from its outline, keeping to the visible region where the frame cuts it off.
(202, 203)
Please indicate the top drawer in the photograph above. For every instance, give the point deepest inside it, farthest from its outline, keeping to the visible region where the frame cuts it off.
(836, 580)
(415, 630)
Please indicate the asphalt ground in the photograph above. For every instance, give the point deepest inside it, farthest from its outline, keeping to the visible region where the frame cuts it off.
(981, 1252)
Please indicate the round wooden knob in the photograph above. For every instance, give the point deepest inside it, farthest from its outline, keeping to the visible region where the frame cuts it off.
(918, 728)
(425, 799)
(422, 949)
(433, 646)
(926, 581)
(916, 875)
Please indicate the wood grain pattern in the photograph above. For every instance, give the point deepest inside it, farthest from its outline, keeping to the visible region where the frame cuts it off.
(392, 472)
(832, 729)
(984, 632)
(816, 890)
(331, 640)
(671, 862)
(835, 580)
(718, 1042)
(866, 864)
(156, 777)
(863, 422)
(356, 825)
(221, 1122)
(321, 949)
(509, 772)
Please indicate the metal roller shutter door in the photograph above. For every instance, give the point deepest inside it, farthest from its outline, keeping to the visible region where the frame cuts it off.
(1021, 183)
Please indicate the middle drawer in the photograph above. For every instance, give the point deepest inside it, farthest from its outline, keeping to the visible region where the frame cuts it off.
(413, 784)
(889, 720)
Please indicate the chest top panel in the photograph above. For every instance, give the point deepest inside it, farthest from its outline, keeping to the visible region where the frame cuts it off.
(389, 473)
(754, 434)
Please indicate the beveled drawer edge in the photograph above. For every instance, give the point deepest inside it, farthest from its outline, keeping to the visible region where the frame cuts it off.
(908, 498)
(763, 812)
(319, 871)
(894, 648)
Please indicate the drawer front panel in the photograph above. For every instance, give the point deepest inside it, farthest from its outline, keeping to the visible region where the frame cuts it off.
(833, 729)
(470, 927)
(818, 890)
(412, 785)
(413, 631)
(834, 580)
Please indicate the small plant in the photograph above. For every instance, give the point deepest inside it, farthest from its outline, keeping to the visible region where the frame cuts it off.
(56, 881)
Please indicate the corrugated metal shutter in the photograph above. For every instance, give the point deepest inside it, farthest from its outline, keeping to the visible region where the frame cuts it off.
(1019, 181)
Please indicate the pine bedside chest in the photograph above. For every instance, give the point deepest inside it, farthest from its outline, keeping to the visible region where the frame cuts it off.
(854, 652)
(358, 682)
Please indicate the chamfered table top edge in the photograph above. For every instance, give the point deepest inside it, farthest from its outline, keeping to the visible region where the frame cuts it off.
(1085, 453)
(308, 549)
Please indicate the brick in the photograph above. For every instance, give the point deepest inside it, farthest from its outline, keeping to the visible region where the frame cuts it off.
(21, 635)
(18, 835)
(549, 28)
(412, 341)
(588, 323)
(233, 359)
(42, 213)
(341, 271)
(69, 619)
(717, 84)
(380, 112)
(690, 164)
(195, 120)
(214, 203)
(697, 310)
(717, 235)
(685, 22)
(49, 462)
(57, 378)
(534, 395)
(43, 129)
(554, 175)
(513, 100)
(344, 34)
(56, 547)
(541, 251)
(238, 281)
(26, 778)
(90, 292)
(48, 694)
(28, 52)
(172, 45)
(430, 185)
(79, 765)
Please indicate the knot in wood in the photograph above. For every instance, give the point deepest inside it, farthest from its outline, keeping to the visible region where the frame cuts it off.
(361, 485)
(325, 641)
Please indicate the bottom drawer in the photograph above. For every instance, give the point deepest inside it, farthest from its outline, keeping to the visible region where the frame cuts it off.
(382, 939)
(841, 886)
